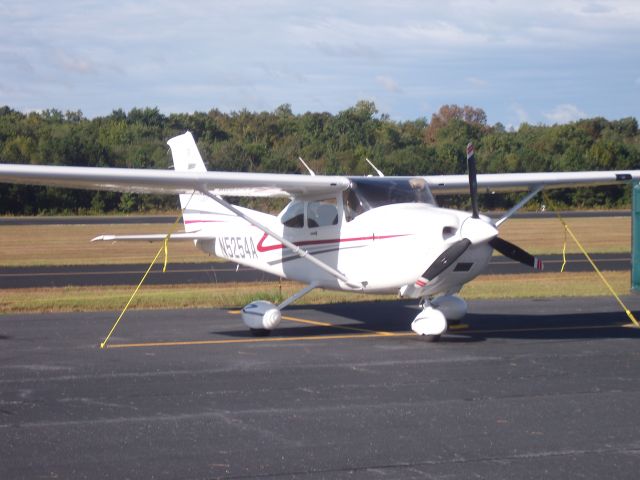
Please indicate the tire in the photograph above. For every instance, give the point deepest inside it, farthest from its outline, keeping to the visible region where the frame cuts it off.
(431, 338)
(260, 332)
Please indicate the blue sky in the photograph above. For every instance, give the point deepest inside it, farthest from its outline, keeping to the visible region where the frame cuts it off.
(521, 61)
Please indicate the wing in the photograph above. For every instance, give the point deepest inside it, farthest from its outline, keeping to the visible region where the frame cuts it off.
(173, 182)
(513, 182)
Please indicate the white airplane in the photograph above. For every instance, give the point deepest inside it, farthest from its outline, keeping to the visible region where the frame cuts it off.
(361, 234)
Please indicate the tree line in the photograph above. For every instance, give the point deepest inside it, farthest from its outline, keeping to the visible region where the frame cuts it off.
(337, 144)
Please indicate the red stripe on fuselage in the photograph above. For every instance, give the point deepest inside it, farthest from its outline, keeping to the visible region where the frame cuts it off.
(202, 221)
(262, 248)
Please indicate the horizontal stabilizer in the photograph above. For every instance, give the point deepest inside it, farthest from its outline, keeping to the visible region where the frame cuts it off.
(153, 237)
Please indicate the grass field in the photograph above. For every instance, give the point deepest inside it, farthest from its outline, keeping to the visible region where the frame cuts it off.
(31, 245)
(70, 244)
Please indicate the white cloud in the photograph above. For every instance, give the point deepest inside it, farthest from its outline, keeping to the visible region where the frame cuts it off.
(73, 63)
(565, 113)
(521, 113)
(594, 7)
(477, 82)
(388, 83)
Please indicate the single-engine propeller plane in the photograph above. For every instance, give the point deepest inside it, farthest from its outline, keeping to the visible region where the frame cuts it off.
(361, 234)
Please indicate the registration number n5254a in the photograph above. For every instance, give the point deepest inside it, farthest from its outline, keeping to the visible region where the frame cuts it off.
(237, 247)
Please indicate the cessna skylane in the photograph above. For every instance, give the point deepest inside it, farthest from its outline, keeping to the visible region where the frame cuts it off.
(361, 234)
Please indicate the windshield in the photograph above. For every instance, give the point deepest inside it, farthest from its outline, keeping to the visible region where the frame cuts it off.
(371, 192)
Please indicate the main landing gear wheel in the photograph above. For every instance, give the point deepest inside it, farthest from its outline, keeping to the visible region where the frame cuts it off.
(431, 338)
(261, 317)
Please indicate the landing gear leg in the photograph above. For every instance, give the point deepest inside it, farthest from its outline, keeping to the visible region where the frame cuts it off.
(262, 317)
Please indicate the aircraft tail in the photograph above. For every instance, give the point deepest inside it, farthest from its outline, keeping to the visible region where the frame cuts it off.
(197, 208)
(186, 157)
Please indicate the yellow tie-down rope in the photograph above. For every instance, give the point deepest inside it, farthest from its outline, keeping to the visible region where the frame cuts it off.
(165, 248)
(588, 257)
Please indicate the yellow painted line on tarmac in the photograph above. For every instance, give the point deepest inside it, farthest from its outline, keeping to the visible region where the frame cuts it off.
(340, 327)
(322, 324)
(364, 333)
(256, 340)
(459, 326)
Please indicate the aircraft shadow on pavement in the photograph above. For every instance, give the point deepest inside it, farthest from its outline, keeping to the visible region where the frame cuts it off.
(396, 317)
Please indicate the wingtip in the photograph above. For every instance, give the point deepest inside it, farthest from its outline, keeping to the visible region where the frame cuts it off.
(104, 238)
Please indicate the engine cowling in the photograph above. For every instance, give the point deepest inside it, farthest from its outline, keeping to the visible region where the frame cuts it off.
(261, 315)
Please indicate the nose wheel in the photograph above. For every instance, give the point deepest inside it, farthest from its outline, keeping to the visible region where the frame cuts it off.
(430, 323)
(436, 316)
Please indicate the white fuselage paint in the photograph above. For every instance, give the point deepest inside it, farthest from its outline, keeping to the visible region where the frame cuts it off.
(382, 249)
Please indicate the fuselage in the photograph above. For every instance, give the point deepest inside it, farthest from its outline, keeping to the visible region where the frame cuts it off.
(380, 243)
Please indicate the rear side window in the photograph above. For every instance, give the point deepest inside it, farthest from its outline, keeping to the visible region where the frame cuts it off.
(293, 216)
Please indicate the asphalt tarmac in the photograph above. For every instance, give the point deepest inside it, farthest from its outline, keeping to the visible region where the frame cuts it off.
(223, 272)
(522, 389)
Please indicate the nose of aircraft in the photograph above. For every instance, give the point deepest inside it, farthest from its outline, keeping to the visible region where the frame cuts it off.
(478, 230)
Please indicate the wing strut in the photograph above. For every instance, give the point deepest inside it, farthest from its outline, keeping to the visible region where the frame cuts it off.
(534, 191)
(294, 248)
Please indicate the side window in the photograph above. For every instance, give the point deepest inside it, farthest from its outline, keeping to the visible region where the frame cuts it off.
(322, 213)
(293, 216)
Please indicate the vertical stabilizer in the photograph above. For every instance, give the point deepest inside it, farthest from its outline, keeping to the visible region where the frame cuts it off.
(198, 210)
(186, 157)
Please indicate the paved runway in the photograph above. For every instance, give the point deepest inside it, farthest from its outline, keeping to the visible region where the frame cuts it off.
(525, 389)
(169, 219)
(222, 272)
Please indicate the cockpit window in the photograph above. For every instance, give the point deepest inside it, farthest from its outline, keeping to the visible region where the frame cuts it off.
(352, 204)
(367, 193)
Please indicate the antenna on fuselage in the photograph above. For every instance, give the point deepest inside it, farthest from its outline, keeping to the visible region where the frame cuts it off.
(473, 180)
(311, 172)
(380, 174)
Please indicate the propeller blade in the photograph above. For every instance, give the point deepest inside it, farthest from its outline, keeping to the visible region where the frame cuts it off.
(514, 252)
(473, 179)
(444, 261)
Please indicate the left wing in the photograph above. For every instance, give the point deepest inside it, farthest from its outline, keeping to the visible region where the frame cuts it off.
(173, 182)
(513, 182)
